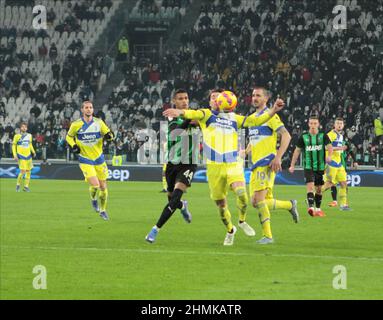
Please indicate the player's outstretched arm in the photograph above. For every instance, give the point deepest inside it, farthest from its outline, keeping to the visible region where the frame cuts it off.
(187, 114)
(257, 120)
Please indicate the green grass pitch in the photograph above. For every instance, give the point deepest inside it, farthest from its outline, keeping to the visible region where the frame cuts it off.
(88, 258)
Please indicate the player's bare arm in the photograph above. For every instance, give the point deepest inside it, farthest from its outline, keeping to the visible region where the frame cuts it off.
(296, 154)
(276, 164)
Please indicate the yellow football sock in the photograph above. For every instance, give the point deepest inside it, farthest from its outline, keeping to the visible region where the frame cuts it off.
(19, 179)
(242, 201)
(164, 183)
(264, 216)
(93, 192)
(103, 199)
(343, 196)
(226, 218)
(274, 204)
(27, 179)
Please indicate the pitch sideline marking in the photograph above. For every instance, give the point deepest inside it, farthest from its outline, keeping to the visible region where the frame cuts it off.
(211, 253)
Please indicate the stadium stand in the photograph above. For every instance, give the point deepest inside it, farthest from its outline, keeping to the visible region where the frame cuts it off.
(237, 44)
(46, 73)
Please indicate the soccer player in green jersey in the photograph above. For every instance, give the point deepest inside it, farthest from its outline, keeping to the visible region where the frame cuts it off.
(313, 145)
(182, 162)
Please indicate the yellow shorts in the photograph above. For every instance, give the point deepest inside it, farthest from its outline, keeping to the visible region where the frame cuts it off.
(262, 178)
(335, 175)
(221, 176)
(26, 165)
(99, 171)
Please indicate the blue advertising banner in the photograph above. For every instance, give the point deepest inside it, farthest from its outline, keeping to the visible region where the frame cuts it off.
(355, 178)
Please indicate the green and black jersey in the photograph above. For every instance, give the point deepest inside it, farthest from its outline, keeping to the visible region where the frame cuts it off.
(313, 148)
(182, 142)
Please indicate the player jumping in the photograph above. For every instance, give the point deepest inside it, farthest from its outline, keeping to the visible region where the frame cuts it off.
(23, 152)
(220, 143)
(180, 167)
(85, 137)
(267, 160)
(313, 145)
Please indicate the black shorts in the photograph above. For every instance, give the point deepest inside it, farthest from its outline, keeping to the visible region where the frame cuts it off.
(179, 173)
(314, 176)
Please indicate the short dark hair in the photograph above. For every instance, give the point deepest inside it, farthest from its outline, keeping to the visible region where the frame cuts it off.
(266, 92)
(178, 91)
(339, 119)
(23, 123)
(86, 101)
(314, 117)
(217, 89)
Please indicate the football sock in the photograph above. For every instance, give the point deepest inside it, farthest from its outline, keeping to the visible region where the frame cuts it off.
(226, 218)
(242, 201)
(264, 216)
(310, 199)
(20, 178)
(164, 183)
(103, 195)
(274, 204)
(334, 193)
(93, 192)
(174, 204)
(343, 196)
(318, 200)
(27, 179)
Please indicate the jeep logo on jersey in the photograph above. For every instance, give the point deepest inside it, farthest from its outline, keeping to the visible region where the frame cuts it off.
(253, 132)
(224, 121)
(89, 136)
(314, 148)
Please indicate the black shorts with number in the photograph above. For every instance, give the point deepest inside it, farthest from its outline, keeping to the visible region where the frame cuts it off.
(314, 176)
(179, 173)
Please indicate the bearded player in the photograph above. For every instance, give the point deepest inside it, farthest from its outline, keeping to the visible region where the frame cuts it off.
(267, 161)
(85, 137)
(23, 152)
(335, 171)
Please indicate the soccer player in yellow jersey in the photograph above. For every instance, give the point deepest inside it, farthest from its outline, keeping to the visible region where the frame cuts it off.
(335, 172)
(267, 160)
(23, 152)
(85, 137)
(220, 144)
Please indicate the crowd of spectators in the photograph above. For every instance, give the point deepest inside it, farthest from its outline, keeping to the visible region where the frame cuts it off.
(291, 50)
(48, 104)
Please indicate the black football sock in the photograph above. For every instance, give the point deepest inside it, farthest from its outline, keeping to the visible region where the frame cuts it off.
(310, 199)
(174, 204)
(318, 200)
(334, 193)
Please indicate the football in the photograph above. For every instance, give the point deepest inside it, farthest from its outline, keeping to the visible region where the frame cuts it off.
(226, 101)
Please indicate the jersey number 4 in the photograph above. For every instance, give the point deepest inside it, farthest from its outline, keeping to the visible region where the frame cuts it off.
(189, 175)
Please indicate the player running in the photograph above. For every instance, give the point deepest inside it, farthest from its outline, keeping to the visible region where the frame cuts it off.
(85, 137)
(23, 152)
(181, 166)
(267, 160)
(220, 144)
(313, 145)
(335, 171)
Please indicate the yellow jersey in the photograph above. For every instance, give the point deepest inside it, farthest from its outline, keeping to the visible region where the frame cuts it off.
(220, 132)
(263, 140)
(337, 140)
(22, 147)
(89, 138)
